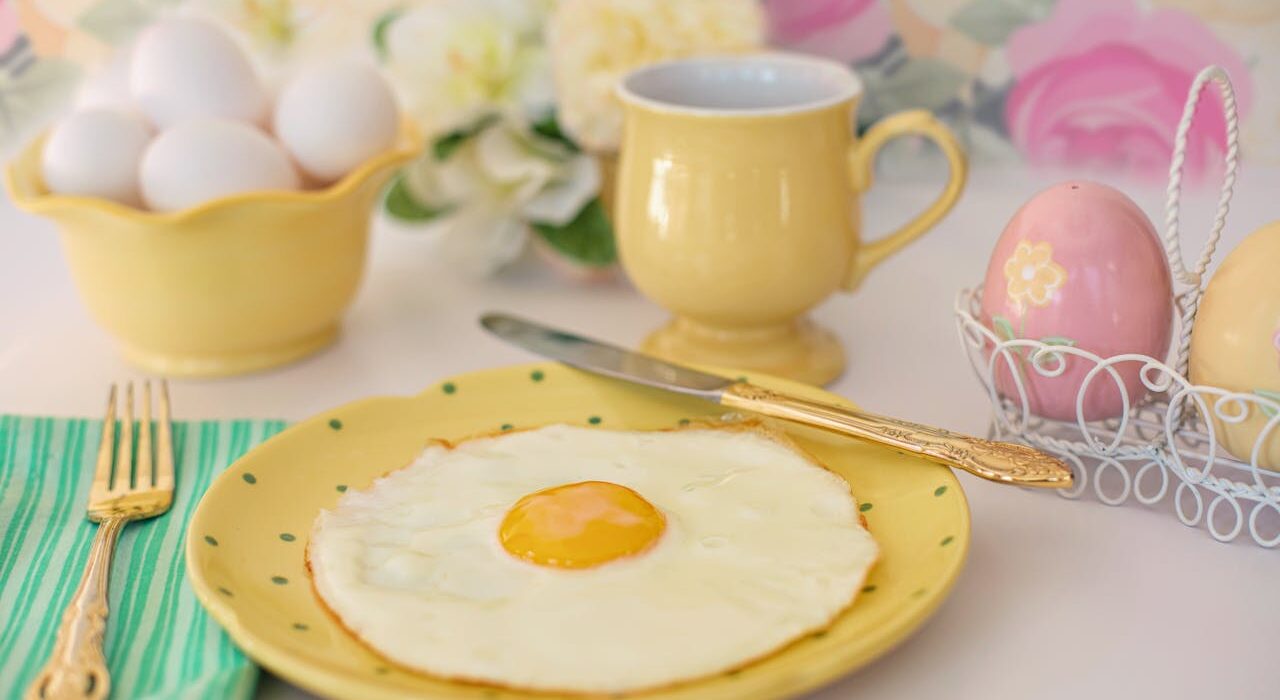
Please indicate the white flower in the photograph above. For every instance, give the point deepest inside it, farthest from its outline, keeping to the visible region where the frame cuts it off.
(286, 34)
(493, 186)
(455, 60)
(595, 42)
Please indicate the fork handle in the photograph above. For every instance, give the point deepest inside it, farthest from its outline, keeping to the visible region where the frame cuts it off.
(1002, 462)
(77, 668)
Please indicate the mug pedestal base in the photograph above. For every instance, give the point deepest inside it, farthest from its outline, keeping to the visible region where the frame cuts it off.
(799, 350)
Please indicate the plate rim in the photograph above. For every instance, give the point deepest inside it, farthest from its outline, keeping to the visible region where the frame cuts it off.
(317, 679)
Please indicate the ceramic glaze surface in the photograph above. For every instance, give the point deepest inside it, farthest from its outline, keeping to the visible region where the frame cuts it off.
(775, 232)
(1081, 265)
(255, 583)
(1235, 343)
(737, 204)
(237, 284)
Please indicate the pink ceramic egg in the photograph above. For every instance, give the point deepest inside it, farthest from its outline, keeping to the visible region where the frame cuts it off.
(1079, 264)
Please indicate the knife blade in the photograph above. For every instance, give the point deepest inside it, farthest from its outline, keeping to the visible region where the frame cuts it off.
(1002, 462)
(602, 358)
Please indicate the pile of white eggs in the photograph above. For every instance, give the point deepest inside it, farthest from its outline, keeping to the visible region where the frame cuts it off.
(184, 118)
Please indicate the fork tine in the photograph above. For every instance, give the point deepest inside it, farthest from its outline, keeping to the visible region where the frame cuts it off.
(164, 443)
(124, 452)
(144, 475)
(106, 447)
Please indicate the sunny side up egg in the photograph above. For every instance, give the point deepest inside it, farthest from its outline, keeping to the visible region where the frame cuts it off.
(587, 560)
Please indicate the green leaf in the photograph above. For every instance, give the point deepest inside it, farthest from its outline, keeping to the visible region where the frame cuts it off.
(30, 97)
(991, 22)
(401, 204)
(1268, 410)
(380, 29)
(588, 239)
(115, 21)
(1058, 340)
(919, 83)
(549, 127)
(446, 145)
(1003, 328)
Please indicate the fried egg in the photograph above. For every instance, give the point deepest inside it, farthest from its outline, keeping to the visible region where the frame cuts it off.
(594, 561)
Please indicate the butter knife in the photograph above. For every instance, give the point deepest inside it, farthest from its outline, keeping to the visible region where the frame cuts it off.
(1002, 462)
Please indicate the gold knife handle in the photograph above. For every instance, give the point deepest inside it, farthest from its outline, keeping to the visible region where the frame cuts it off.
(1003, 462)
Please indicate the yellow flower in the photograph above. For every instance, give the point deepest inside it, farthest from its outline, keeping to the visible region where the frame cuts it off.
(593, 43)
(1032, 274)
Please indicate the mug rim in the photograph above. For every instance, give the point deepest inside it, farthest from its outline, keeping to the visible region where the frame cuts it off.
(850, 89)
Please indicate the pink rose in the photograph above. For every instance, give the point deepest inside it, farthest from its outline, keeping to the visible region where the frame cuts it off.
(10, 29)
(845, 30)
(1102, 83)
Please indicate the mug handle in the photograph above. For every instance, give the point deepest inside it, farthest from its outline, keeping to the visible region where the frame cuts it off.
(862, 160)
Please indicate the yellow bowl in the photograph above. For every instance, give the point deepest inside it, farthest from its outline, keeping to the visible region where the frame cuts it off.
(233, 285)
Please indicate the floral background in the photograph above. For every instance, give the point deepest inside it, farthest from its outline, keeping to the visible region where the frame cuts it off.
(1056, 82)
(515, 95)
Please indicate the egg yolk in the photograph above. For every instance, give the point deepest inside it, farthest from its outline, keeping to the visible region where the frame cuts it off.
(580, 525)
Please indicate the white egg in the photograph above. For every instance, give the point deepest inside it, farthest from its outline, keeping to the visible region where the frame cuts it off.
(184, 67)
(205, 159)
(336, 116)
(593, 561)
(109, 86)
(96, 153)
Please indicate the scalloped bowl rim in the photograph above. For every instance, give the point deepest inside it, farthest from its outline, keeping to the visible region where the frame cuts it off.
(408, 144)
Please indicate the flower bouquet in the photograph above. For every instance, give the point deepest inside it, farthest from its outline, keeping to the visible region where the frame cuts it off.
(517, 98)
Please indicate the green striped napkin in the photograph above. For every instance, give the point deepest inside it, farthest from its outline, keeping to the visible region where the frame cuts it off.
(160, 643)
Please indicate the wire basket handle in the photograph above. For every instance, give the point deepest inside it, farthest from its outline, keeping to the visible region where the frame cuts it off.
(1194, 278)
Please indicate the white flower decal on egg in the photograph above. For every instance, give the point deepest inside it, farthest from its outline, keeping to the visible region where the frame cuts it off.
(1032, 275)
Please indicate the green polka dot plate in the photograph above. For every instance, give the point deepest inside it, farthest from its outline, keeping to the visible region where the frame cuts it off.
(247, 539)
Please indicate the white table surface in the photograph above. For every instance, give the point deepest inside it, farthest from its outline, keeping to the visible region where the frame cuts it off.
(1059, 599)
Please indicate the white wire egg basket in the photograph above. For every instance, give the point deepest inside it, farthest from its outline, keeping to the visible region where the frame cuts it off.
(1164, 448)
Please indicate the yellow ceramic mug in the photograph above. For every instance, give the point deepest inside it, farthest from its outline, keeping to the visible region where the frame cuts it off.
(737, 204)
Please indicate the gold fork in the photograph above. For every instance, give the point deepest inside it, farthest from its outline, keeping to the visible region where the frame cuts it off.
(125, 487)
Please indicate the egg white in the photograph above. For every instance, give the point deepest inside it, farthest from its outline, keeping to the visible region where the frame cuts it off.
(762, 546)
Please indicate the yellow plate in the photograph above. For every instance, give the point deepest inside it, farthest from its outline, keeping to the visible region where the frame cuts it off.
(245, 545)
